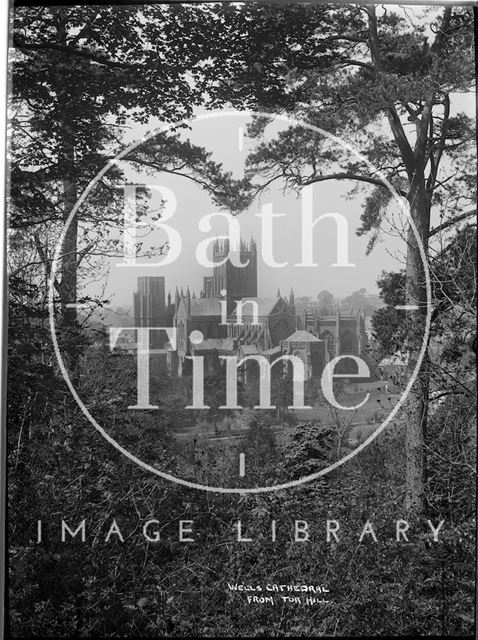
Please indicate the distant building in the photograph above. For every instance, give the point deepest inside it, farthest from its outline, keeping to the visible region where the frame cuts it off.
(395, 368)
(149, 302)
(265, 322)
(207, 287)
(239, 282)
(194, 314)
(262, 326)
(150, 306)
(211, 349)
(310, 349)
(344, 334)
(275, 321)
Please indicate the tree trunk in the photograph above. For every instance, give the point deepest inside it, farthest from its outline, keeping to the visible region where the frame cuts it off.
(67, 172)
(69, 261)
(417, 404)
(66, 166)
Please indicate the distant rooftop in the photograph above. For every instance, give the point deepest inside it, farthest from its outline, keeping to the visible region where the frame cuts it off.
(272, 351)
(205, 307)
(302, 336)
(265, 306)
(221, 344)
(248, 349)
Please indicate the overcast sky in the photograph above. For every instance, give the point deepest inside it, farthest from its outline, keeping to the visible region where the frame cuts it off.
(221, 136)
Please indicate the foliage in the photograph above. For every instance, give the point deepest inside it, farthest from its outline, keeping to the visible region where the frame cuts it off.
(387, 93)
(310, 451)
(326, 303)
(387, 322)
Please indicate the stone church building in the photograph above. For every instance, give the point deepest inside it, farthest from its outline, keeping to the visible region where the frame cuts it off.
(233, 320)
(344, 334)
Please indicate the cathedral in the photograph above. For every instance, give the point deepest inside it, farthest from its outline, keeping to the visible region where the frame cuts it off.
(233, 320)
(239, 282)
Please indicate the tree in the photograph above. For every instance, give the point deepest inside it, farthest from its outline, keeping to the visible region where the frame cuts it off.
(259, 443)
(453, 289)
(281, 390)
(326, 303)
(385, 77)
(79, 75)
(311, 449)
(387, 322)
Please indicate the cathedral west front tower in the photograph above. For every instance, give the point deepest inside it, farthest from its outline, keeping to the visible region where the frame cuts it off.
(239, 282)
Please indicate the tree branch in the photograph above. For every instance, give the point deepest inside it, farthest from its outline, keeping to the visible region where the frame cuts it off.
(355, 63)
(435, 159)
(348, 37)
(449, 223)
(424, 122)
(393, 117)
(351, 176)
(75, 52)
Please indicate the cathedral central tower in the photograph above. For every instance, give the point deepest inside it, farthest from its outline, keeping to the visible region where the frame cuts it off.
(239, 282)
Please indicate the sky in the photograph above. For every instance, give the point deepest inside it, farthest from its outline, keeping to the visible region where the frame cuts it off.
(222, 136)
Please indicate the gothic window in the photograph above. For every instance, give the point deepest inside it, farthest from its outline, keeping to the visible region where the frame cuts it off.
(326, 335)
(347, 343)
(282, 330)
